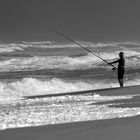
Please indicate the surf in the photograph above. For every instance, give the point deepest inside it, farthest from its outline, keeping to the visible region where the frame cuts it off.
(32, 87)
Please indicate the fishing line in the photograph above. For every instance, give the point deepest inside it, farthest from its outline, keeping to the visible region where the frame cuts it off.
(61, 34)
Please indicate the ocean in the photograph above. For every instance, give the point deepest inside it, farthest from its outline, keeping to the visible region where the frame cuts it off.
(45, 67)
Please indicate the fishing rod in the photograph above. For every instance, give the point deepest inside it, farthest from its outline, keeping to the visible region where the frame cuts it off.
(83, 48)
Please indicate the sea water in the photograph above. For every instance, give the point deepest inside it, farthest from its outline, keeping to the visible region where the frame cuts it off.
(40, 68)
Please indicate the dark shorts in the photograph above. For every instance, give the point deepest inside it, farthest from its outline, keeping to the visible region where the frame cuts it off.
(120, 73)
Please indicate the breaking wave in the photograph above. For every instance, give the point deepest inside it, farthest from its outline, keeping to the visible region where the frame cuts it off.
(65, 62)
(13, 47)
(33, 86)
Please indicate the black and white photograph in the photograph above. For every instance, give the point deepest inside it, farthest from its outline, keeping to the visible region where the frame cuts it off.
(69, 70)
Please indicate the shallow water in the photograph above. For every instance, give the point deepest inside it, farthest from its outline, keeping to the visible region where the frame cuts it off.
(53, 110)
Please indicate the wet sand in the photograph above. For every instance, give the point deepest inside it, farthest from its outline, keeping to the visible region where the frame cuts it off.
(114, 129)
(110, 129)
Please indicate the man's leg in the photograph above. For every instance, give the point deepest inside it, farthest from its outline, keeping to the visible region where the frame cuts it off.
(120, 77)
(120, 82)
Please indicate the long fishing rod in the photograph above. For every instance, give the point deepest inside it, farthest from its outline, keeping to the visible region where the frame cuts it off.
(84, 48)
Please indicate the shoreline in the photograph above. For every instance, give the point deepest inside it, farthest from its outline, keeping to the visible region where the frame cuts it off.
(110, 129)
(104, 92)
(106, 129)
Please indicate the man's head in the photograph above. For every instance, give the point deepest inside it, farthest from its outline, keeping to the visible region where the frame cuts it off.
(121, 54)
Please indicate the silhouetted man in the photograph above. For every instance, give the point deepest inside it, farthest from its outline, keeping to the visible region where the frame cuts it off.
(121, 68)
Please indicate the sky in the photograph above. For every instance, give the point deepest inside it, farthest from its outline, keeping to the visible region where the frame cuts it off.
(83, 20)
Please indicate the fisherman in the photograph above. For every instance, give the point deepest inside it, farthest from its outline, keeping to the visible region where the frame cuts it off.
(121, 68)
(121, 61)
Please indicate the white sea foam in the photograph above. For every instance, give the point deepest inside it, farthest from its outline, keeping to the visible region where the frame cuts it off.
(66, 62)
(32, 86)
(12, 47)
(54, 110)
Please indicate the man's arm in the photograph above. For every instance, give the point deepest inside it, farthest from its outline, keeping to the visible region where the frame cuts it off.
(114, 62)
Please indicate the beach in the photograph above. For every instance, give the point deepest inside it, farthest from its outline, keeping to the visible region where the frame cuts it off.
(125, 128)
(114, 129)
(58, 91)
